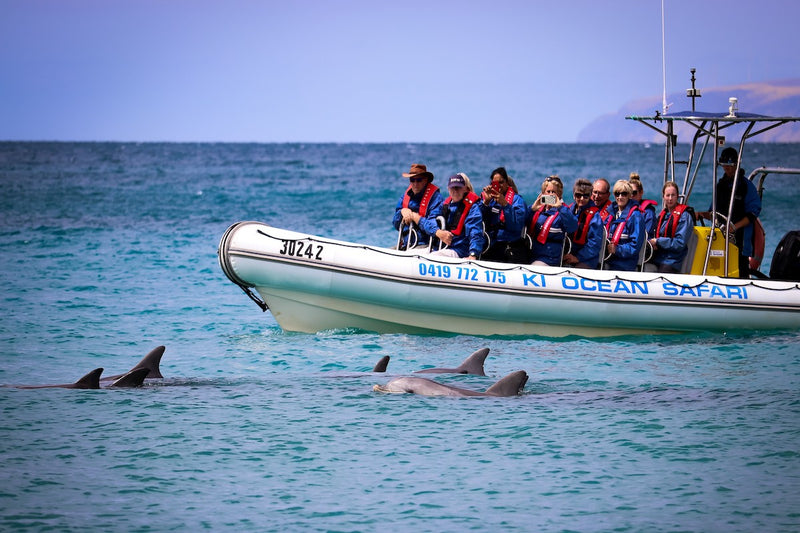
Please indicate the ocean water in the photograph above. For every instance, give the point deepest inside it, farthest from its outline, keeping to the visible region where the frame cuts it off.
(109, 249)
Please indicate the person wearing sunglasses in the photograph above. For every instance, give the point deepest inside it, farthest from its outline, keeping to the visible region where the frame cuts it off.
(551, 221)
(587, 240)
(418, 208)
(601, 192)
(504, 211)
(647, 207)
(626, 232)
(672, 233)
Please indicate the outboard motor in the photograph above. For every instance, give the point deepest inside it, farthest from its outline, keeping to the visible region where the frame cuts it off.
(786, 259)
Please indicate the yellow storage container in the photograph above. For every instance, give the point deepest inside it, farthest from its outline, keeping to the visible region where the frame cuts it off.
(716, 261)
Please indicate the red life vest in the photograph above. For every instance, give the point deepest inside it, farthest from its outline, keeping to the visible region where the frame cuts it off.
(645, 204)
(580, 235)
(468, 201)
(545, 229)
(509, 200)
(430, 188)
(605, 216)
(621, 227)
(672, 227)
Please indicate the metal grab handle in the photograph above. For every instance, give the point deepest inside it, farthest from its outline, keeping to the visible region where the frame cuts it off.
(413, 237)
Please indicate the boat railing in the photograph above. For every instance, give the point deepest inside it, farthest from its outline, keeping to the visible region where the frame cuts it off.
(762, 172)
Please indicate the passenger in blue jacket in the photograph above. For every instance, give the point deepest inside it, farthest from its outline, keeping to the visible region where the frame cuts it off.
(587, 240)
(504, 212)
(418, 208)
(674, 227)
(626, 232)
(463, 231)
(746, 207)
(551, 221)
(647, 207)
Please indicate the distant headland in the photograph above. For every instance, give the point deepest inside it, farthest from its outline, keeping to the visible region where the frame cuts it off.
(773, 98)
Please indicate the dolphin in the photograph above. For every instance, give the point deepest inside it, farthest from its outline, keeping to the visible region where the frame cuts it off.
(89, 381)
(471, 365)
(511, 385)
(381, 365)
(92, 380)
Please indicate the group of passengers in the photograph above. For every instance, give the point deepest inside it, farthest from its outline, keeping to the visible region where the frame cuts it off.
(497, 225)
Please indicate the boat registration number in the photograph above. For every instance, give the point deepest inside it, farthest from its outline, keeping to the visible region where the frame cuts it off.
(305, 249)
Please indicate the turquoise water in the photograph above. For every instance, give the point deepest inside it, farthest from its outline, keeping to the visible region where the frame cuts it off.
(110, 250)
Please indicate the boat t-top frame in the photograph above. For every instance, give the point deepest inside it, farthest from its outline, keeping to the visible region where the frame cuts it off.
(709, 128)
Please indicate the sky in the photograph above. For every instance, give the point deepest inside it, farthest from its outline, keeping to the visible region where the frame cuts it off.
(367, 70)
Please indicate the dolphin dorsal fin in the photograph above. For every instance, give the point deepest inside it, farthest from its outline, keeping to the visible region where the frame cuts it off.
(511, 385)
(90, 380)
(134, 378)
(474, 363)
(382, 364)
(152, 362)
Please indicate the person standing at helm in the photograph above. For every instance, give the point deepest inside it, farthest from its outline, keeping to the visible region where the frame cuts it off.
(746, 207)
(418, 207)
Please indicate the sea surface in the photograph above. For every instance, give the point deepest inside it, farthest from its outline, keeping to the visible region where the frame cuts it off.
(109, 249)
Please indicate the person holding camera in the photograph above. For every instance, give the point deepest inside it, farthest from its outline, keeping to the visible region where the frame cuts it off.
(503, 210)
(551, 221)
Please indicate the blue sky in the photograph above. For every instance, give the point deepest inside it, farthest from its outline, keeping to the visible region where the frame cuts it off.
(366, 71)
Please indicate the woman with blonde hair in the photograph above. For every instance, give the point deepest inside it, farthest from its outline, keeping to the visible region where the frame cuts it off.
(550, 222)
(626, 235)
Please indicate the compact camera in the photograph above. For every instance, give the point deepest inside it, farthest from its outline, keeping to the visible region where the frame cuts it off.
(549, 199)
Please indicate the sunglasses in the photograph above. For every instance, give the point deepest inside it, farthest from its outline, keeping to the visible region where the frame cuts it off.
(599, 192)
(635, 192)
(621, 193)
(579, 195)
(417, 180)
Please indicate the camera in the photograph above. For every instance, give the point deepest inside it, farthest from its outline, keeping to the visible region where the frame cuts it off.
(549, 199)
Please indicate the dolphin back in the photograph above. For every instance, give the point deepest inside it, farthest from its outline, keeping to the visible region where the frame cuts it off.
(89, 381)
(471, 365)
(134, 378)
(511, 385)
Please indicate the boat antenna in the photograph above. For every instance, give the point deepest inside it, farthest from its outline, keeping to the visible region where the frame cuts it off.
(693, 93)
(664, 105)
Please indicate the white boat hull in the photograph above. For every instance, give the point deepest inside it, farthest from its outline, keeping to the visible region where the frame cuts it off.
(313, 284)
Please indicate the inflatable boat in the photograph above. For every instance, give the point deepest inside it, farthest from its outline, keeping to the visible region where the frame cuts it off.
(311, 283)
